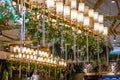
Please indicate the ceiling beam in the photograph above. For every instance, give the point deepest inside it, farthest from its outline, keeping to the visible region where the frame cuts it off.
(98, 4)
(117, 5)
(110, 18)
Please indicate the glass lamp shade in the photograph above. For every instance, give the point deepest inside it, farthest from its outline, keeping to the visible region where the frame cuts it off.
(35, 57)
(91, 13)
(28, 57)
(101, 28)
(73, 4)
(31, 56)
(14, 49)
(80, 17)
(59, 7)
(100, 19)
(32, 51)
(96, 16)
(66, 11)
(28, 50)
(24, 55)
(96, 26)
(50, 4)
(74, 15)
(105, 32)
(20, 55)
(86, 10)
(24, 50)
(81, 7)
(86, 21)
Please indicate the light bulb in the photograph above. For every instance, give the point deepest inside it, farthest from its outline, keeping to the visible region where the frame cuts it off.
(96, 26)
(66, 11)
(91, 13)
(80, 18)
(50, 4)
(20, 55)
(86, 21)
(96, 16)
(59, 7)
(73, 4)
(100, 19)
(81, 7)
(31, 56)
(28, 50)
(28, 57)
(74, 15)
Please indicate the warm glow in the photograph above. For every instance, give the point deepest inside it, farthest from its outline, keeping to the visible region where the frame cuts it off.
(96, 16)
(91, 13)
(23, 55)
(20, 55)
(66, 11)
(100, 19)
(35, 57)
(96, 26)
(50, 4)
(73, 4)
(31, 56)
(105, 32)
(28, 57)
(59, 7)
(80, 17)
(81, 7)
(24, 50)
(28, 50)
(86, 21)
(101, 28)
(73, 15)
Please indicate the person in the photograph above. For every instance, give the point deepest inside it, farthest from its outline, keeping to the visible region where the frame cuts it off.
(35, 75)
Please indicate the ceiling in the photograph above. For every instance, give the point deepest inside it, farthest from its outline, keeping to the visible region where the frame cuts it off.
(111, 11)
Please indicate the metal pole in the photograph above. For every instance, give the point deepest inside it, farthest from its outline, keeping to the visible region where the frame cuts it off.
(66, 52)
(53, 47)
(107, 52)
(22, 33)
(62, 42)
(98, 50)
(99, 64)
(74, 46)
(43, 27)
(87, 49)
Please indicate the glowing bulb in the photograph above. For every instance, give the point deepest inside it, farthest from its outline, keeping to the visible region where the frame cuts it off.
(86, 21)
(81, 7)
(31, 57)
(59, 7)
(50, 4)
(27, 56)
(73, 4)
(66, 11)
(20, 55)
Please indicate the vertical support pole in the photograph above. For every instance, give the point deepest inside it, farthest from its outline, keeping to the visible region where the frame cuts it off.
(74, 47)
(66, 52)
(107, 52)
(11, 70)
(87, 49)
(22, 34)
(62, 41)
(53, 47)
(66, 58)
(43, 27)
(98, 56)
